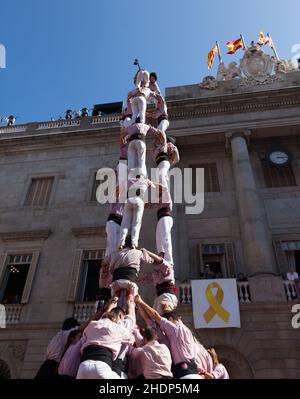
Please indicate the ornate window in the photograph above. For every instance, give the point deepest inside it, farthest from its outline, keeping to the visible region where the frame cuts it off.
(282, 176)
(211, 180)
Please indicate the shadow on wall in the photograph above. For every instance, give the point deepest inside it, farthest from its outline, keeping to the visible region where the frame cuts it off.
(235, 362)
(4, 371)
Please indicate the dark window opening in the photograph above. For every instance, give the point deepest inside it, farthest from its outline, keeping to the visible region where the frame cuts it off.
(14, 282)
(89, 281)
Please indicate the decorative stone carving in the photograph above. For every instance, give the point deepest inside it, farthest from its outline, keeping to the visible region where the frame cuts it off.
(209, 83)
(18, 350)
(231, 72)
(256, 68)
(283, 67)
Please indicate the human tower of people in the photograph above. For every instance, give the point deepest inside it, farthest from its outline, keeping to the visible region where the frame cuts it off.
(111, 345)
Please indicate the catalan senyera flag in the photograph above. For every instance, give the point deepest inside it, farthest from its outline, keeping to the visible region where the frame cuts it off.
(234, 45)
(211, 56)
(263, 40)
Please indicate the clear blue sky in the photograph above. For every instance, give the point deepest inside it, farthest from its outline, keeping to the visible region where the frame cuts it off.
(69, 53)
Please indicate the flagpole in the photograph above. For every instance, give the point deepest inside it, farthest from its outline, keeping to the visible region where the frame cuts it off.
(273, 47)
(243, 41)
(219, 52)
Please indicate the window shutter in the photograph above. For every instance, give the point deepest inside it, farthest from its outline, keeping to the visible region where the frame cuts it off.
(230, 260)
(74, 276)
(280, 258)
(30, 277)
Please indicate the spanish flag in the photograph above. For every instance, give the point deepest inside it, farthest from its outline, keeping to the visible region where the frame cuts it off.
(211, 56)
(233, 46)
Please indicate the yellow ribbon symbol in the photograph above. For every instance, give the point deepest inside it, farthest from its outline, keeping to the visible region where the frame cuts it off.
(215, 304)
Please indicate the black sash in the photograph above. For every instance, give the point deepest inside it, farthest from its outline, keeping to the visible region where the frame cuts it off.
(184, 368)
(137, 136)
(119, 366)
(162, 156)
(162, 212)
(162, 117)
(115, 217)
(96, 352)
(165, 288)
(125, 273)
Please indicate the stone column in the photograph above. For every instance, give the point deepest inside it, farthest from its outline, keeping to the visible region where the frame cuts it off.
(255, 235)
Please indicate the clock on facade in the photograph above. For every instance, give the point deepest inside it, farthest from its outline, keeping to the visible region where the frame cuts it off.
(279, 157)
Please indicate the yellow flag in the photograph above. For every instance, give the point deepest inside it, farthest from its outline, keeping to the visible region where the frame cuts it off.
(211, 56)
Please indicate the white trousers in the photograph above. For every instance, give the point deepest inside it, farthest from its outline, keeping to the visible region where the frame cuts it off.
(138, 106)
(165, 299)
(132, 220)
(163, 125)
(112, 236)
(137, 157)
(191, 377)
(122, 171)
(163, 169)
(95, 370)
(164, 237)
(123, 284)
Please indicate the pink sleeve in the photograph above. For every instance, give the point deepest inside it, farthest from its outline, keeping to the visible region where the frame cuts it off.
(146, 258)
(220, 372)
(169, 328)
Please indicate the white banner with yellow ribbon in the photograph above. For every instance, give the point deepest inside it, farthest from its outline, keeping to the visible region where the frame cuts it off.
(215, 303)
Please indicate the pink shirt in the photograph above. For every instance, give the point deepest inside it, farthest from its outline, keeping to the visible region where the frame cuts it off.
(70, 362)
(144, 91)
(220, 372)
(117, 208)
(161, 107)
(141, 128)
(167, 148)
(155, 360)
(162, 338)
(203, 359)
(182, 344)
(162, 201)
(105, 277)
(57, 345)
(128, 258)
(164, 274)
(105, 332)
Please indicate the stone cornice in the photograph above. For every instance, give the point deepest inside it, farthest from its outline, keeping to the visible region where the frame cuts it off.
(233, 104)
(28, 235)
(88, 231)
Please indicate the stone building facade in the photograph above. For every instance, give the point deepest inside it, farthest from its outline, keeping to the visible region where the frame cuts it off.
(52, 228)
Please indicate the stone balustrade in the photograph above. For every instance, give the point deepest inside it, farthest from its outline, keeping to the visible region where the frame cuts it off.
(290, 290)
(59, 124)
(13, 129)
(83, 311)
(105, 119)
(12, 313)
(243, 289)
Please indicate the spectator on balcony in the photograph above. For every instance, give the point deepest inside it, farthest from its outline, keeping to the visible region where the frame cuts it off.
(292, 275)
(208, 273)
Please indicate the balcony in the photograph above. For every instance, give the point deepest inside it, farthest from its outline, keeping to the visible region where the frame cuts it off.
(13, 129)
(12, 313)
(58, 124)
(84, 311)
(243, 289)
